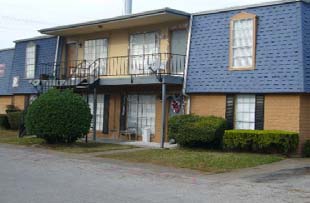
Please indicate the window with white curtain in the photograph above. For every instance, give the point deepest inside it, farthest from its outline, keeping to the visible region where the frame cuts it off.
(30, 61)
(245, 112)
(243, 41)
(100, 109)
(97, 49)
(141, 112)
(144, 50)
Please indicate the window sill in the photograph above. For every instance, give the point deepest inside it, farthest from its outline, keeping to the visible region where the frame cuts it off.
(241, 68)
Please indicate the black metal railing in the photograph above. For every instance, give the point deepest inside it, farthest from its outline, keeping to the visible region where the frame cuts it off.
(72, 73)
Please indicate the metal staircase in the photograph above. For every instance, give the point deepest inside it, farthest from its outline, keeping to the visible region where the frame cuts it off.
(82, 78)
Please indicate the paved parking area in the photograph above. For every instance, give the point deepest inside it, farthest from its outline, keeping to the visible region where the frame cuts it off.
(31, 175)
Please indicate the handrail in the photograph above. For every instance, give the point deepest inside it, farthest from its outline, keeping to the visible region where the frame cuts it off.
(133, 65)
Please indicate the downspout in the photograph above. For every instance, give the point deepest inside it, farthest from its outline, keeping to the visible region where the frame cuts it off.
(56, 55)
(187, 64)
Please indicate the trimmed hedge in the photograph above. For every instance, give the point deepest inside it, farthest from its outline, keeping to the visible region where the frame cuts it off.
(4, 123)
(14, 119)
(58, 117)
(197, 131)
(271, 141)
(306, 149)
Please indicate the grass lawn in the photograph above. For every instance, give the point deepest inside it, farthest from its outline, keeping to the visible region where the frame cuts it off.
(10, 137)
(207, 161)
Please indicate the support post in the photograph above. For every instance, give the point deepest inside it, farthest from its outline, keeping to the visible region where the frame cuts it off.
(163, 115)
(95, 114)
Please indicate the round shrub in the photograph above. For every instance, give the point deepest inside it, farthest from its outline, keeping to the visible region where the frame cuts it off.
(197, 131)
(14, 119)
(58, 117)
(306, 149)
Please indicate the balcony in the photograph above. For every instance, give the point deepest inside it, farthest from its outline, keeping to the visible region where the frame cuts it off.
(119, 70)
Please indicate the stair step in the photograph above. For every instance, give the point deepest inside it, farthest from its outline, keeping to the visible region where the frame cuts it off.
(81, 87)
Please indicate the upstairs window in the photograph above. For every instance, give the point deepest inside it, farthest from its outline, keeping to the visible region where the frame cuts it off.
(30, 60)
(242, 41)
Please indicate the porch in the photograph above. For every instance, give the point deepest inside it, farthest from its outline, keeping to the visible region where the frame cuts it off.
(127, 112)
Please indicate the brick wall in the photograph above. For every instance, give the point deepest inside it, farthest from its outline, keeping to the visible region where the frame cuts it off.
(207, 105)
(304, 119)
(19, 101)
(282, 112)
(4, 101)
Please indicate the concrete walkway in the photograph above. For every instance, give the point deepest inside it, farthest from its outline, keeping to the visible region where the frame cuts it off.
(151, 145)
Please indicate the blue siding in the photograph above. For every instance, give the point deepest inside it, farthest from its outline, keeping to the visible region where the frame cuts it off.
(6, 59)
(306, 44)
(45, 53)
(279, 62)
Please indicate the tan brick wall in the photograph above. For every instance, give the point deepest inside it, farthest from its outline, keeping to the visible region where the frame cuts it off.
(158, 126)
(282, 112)
(207, 105)
(4, 101)
(304, 119)
(19, 101)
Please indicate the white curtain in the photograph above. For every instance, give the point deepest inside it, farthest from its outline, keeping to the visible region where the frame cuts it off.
(96, 49)
(143, 52)
(100, 109)
(243, 43)
(245, 112)
(30, 60)
(141, 112)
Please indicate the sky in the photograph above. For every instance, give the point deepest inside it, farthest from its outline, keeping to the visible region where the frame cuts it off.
(21, 19)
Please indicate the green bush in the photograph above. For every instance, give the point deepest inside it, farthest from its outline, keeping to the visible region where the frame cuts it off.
(14, 119)
(306, 149)
(197, 131)
(11, 108)
(4, 123)
(271, 141)
(58, 117)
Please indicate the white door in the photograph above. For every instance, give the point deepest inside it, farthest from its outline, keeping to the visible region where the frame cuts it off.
(96, 50)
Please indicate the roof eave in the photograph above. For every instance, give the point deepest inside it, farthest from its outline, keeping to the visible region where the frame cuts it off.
(115, 19)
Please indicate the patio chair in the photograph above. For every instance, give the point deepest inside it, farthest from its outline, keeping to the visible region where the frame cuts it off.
(129, 132)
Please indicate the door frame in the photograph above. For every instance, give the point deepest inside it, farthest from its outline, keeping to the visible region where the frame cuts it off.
(67, 69)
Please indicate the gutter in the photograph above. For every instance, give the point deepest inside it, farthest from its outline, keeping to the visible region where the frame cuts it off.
(56, 55)
(187, 64)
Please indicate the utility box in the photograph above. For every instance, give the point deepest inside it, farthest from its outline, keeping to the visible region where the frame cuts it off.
(146, 134)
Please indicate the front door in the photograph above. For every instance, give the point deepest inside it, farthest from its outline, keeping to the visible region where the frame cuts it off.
(141, 112)
(178, 51)
(100, 109)
(72, 53)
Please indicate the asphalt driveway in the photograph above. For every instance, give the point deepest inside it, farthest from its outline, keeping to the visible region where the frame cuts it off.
(30, 175)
